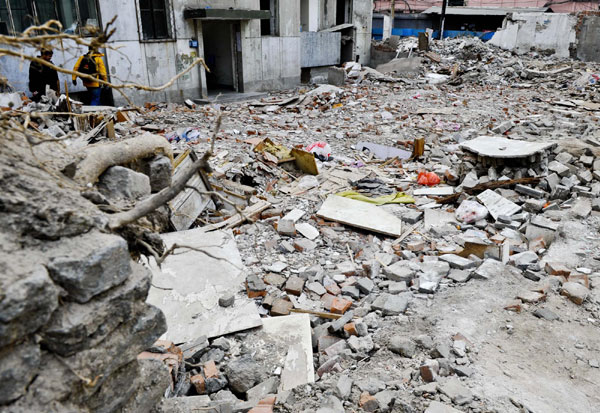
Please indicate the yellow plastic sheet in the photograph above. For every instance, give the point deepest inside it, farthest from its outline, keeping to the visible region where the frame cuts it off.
(395, 198)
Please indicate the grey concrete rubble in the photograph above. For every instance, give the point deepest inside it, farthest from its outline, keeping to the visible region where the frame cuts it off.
(341, 282)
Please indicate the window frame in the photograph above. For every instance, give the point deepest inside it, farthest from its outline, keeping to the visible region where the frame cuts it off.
(273, 20)
(34, 7)
(172, 36)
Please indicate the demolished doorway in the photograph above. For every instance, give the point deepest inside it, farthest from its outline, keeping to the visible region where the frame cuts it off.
(223, 55)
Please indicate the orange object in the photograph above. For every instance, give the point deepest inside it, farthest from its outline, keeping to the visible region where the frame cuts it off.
(428, 178)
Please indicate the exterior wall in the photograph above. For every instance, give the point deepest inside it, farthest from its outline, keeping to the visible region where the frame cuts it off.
(419, 5)
(363, 21)
(17, 71)
(320, 49)
(272, 62)
(588, 39)
(151, 62)
(543, 31)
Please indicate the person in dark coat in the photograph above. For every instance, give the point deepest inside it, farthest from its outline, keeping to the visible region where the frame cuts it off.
(41, 75)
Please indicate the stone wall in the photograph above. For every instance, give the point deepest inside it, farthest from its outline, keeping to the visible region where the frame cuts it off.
(73, 316)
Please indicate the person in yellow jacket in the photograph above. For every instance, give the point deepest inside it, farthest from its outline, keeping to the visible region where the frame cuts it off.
(91, 64)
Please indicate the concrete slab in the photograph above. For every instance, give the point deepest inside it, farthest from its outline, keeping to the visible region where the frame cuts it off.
(382, 151)
(361, 215)
(307, 230)
(188, 286)
(436, 218)
(295, 333)
(294, 215)
(435, 191)
(496, 147)
(497, 205)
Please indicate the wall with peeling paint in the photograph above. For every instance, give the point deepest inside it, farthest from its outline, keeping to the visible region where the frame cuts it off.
(543, 31)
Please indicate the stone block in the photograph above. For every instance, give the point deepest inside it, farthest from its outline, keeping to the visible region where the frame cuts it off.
(458, 262)
(365, 285)
(304, 245)
(263, 389)
(243, 374)
(28, 299)
(343, 387)
(123, 183)
(333, 289)
(294, 285)
(160, 171)
(75, 326)
(391, 304)
(286, 227)
(532, 192)
(18, 366)
(336, 76)
(556, 268)
(316, 288)
(90, 264)
(575, 291)
(281, 307)
(255, 287)
(403, 346)
(399, 271)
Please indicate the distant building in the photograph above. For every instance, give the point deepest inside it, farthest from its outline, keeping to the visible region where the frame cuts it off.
(249, 45)
(557, 6)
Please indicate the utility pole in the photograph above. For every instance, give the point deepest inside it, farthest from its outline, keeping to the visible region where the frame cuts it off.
(392, 15)
(443, 19)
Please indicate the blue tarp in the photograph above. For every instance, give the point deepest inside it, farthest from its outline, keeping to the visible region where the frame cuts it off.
(485, 36)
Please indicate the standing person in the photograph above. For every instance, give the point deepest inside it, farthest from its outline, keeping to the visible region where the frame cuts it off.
(41, 76)
(91, 64)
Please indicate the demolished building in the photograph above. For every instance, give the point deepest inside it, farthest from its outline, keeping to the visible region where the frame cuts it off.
(248, 46)
(421, 240)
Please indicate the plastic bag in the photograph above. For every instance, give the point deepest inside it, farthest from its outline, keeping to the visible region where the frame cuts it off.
(470, 211)
(428, 178)
(321, 150)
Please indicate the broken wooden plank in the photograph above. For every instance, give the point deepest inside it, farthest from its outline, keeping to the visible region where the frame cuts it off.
(237, 219)
(189, 203)
(360, 215)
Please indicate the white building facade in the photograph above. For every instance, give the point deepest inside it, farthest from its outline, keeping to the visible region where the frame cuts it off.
(249, 45)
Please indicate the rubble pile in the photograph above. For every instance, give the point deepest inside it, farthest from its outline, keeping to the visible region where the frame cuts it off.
(397, 244)
(74, 316)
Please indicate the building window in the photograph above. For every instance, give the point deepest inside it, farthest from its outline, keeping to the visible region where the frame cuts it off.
(270, 27)
(76, 16)
(156, 19)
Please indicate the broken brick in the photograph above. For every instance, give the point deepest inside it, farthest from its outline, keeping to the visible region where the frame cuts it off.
(368, 403)
(199, 383)
(340, 305)
(350, 328)
(211, 370)
(255, 287)
(582, 279)
(555, 268)
(294, 285)
(281, 307)
(333, 289)
(327, 300)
